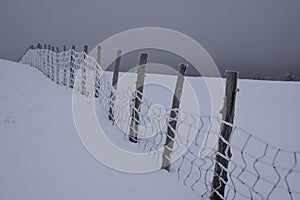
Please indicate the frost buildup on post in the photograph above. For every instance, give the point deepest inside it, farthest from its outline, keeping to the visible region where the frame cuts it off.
(84, 72)
(97, 75)
(223, 156)
(135, 109)
(44, 67)
(72, 71)
(48, 61)
(52, 63)
(57, 66)
(65, 66)
(114, 85)
(172, 121)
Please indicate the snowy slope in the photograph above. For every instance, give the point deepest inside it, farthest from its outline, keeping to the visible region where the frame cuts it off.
(42, 157)
(41, 154)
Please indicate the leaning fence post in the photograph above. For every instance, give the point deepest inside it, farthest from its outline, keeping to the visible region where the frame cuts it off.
(84, 70)
(39, 47)
(97, 74)
(65, 66)
(39, 65)
(99, 49)
(52, 63)
(224, 154)
(172, 122)
(30, 61)
(133, 129)
(48, 61)
(114, 84)
(44, 59)
(72, 71)
(57, 65)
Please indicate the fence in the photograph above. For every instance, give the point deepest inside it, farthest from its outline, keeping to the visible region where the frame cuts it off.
(253, 169)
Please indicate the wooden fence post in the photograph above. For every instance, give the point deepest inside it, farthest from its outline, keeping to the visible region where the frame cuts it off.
(39, 62)
(52, 63)
(84, 70)
(133, 132)
(48, 61)
(45, 60)
(99, 50)
(31, 61)
(65, 66)
(72, 71)
(221, 164)
(57, 65)
(114, 85)
(166, 162)
(97, 74)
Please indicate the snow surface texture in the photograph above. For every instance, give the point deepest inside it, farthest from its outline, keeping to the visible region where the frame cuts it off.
(58, 121)
(42, 156)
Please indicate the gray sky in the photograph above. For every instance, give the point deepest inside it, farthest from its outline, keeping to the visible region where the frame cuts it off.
(257, 37)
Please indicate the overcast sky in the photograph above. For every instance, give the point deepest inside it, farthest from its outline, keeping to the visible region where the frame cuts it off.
(253, 36)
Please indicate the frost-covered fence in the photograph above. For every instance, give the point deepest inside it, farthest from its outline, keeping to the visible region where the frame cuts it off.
(172, 125)
(256, 169)
(224, 154)
(63, 67)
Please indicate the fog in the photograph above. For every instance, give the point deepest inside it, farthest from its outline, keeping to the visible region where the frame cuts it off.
(257, 38)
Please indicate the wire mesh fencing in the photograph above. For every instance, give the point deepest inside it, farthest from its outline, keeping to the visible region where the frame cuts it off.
(256, 169)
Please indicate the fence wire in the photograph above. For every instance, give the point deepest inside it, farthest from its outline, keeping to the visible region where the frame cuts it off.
(257, 170)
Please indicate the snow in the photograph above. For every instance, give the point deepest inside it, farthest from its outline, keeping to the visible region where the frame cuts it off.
(42, 156)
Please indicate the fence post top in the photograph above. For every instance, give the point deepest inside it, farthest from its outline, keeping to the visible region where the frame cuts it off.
(143, 58)
(182, 68)
(85, 49)
(143, 55)
(231, 72)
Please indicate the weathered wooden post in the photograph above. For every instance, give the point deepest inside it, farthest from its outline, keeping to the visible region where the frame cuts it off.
(114, 85)
(221, 164)
(45, 60)
(32, 64)
(172, 124)
(57, 65)
(52, 63)
(97, 74)
(84, 71)
(65, 66)
(133, 129)
(39, 59)
(72, 71)
(99, 50)
(48, 61)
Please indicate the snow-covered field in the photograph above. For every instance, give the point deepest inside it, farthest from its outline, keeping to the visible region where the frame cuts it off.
(42, 156)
